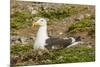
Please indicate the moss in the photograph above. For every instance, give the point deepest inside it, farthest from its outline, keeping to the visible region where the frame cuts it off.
(85, 24)
(81, 24)
(15, 49)
(53, 14)
(73, 55)
(20, 20)
(59, 13)
(67, 55)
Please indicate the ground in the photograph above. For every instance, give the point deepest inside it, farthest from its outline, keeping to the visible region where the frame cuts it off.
(65, 20)
(25, 55)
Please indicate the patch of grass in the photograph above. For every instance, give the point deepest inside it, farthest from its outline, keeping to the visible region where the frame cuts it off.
(59, 13)
(85, 24)
(16, 49)
(73, 55)
(81, 24)
(20, 20)
(24, 55)
(53, 13)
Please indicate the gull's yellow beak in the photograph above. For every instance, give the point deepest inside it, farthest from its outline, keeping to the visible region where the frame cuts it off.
(35, 24)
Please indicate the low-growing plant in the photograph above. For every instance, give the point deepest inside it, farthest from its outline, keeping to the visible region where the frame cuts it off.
(84, 24)
(26, 56)
(20, 20)
(53, 13)
(15, 49)
(59, 13)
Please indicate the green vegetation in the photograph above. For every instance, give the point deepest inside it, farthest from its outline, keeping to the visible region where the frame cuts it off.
(59, 13)
(20, 20)
(85, 24)
(53, 14)
(26, 55)
(23, 19)
(20, 48)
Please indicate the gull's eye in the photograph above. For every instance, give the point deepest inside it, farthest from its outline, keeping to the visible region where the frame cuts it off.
(41, 20)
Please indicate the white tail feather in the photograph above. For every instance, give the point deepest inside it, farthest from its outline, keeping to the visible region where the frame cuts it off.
(75, 43)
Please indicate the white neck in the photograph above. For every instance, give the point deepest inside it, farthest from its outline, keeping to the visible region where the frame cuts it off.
(41, 37)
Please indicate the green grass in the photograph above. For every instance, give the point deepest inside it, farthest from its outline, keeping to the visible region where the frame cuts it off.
(73, 55)
(85, 24)
(24, 55)
(23, 19)
(20, 20)
(59, 13)
(20, 48)
(53, 14)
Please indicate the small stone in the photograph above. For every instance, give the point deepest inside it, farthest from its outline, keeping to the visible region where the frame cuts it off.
(89, 46)
(60, 33)
(34, 12)
(60, 58)
(48, 60)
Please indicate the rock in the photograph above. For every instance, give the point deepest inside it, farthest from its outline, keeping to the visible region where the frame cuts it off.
(15, 39)
(60, 33)
(34, 12)
(80, 17)
(89, 46)
(88, 15)
(48, 60)
(60, 58)
(20, 40)
(23, 40)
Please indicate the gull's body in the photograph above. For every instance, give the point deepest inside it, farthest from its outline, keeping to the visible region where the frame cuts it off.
(41, 37)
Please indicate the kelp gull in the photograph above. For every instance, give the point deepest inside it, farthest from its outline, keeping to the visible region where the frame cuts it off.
(43, 41)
